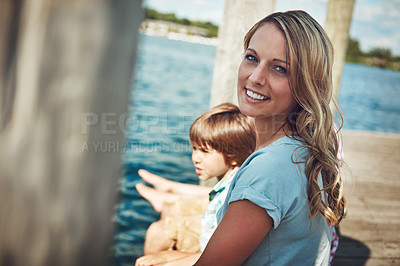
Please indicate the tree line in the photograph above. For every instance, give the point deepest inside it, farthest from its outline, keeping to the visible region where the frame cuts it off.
(378, 57)
(212, 30)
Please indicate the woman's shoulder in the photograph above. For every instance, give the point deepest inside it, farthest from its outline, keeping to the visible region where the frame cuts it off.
(287, 141)
(281, 158)
(278, 150)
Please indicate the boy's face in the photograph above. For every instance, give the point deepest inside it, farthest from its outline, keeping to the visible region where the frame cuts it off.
(209, 163)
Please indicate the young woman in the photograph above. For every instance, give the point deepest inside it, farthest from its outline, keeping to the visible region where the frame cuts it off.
(286, 196)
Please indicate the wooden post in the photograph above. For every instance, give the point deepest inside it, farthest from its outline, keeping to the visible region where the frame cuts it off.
(239, 17)
(65, 77)
(337, 25)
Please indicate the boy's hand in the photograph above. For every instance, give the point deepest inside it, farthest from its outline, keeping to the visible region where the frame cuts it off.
(158, 182)
(152, 259)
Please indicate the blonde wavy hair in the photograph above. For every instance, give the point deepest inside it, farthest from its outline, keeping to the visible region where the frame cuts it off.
(309, 53)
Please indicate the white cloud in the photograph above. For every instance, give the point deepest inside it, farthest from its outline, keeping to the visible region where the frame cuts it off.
(366, 12)
(383, 42)
(316, 8)
(376, 24)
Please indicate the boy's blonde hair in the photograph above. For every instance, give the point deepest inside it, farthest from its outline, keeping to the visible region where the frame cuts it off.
(225, 129)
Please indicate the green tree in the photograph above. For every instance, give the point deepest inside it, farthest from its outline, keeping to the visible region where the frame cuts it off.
(353, 48)
(185, 21)
(354, 53)
(382, 53)
(212, 30)
(169, 17)
(150, 13)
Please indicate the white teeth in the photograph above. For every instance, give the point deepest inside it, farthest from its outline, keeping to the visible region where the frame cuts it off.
(255, 96)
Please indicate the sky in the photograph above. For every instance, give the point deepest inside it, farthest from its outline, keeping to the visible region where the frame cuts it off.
(376, 23)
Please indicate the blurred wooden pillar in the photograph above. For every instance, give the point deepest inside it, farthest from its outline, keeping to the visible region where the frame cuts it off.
(338, 21)
(239, 17)
(65, 77)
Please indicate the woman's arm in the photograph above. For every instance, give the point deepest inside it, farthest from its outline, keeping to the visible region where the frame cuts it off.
(240, 231)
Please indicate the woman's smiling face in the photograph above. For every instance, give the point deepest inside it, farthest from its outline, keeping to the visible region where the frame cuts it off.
(263, 84)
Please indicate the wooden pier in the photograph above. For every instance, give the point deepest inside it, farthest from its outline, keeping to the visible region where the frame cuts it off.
(370, 234)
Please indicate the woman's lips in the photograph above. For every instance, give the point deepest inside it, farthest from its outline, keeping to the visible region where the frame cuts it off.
(255, 96)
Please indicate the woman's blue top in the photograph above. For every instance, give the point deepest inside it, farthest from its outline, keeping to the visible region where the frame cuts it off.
(271, 180)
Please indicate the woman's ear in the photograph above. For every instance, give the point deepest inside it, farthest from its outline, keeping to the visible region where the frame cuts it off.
(234, 164)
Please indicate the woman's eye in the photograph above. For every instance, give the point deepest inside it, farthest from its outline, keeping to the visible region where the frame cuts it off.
(250, 57)
(281, 69)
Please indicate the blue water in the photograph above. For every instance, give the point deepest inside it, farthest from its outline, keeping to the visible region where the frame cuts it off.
(172, 87)
(369, 98)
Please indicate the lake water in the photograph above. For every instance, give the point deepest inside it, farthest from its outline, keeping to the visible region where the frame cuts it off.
(172, 88)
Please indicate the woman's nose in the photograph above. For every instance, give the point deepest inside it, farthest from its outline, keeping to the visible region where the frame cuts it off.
(258, 76)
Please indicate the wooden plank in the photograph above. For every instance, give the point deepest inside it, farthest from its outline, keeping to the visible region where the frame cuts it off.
(363, 262)
(370, 234)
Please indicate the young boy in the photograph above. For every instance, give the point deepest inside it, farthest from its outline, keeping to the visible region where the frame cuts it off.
(222, 138)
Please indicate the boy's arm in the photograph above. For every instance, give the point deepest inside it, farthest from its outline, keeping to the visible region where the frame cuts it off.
(188, 260)
(191, 190)
(166, 257)
(162, 184)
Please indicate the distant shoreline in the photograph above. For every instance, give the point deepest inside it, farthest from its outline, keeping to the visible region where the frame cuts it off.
(186, 38)
(175, 31)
